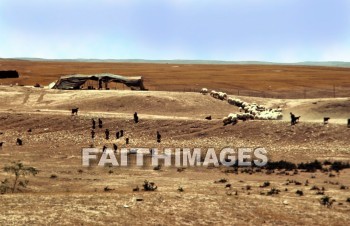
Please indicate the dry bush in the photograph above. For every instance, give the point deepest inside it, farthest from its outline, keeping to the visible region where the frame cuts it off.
(19, 171)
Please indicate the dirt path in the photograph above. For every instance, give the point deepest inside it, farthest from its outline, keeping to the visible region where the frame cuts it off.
(99, 114)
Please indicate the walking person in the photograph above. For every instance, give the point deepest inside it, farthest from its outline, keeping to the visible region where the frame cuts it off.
(107, 134)
(159, 137)
(136, 117)
(99, 123)
(93, 123)
(117, 135)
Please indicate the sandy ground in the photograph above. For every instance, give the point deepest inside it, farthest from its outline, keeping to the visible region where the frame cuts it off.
(66, 193)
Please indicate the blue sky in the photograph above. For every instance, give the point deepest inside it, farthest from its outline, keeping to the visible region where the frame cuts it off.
(265, 30)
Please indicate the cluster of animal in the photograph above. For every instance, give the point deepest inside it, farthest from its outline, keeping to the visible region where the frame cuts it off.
(218, 95)
(256, 111)
(247, 110)
(213, 93)
(252, 111)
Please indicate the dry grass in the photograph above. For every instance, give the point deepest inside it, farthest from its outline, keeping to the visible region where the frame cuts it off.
(76, 195)
(255, 80)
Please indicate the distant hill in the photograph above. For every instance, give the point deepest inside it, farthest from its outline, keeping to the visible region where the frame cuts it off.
(306, 63)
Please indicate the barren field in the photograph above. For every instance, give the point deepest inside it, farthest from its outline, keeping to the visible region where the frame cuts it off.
(66, 193)
(278, 81)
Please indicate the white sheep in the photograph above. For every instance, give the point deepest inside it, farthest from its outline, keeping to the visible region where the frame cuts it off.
(269, 115)
(218, 95)
(251, 111)
(222, 96)
(204, 91)
(231, 118)
(214, 94)
(278, 109)
(245, 116)
(232, 101)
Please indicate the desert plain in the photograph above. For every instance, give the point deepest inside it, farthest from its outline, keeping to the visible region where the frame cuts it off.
(66, 193)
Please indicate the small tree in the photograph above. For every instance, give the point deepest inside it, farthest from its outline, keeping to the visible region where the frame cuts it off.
(19, 170)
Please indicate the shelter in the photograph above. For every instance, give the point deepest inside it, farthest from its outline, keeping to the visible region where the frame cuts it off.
(77, 80)
(9, 74)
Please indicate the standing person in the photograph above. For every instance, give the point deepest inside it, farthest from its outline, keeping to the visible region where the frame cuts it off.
(92, 134)
(292, 119)
(115, 147)
(99, 123)
(136, 118)
(159, 137)
(117, 135)
(99, 84)
(107, 134)
(121, 133)
(93, 123)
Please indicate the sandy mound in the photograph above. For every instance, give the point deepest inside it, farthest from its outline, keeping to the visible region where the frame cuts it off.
(161, 103)
(338, 109)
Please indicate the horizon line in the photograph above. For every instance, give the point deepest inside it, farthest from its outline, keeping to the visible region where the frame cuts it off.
(167, 60)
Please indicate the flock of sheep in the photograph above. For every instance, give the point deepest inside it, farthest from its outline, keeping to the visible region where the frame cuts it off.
(247, 110)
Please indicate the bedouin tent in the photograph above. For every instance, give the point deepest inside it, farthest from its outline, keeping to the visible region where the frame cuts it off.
(77, 80)
(9, 74)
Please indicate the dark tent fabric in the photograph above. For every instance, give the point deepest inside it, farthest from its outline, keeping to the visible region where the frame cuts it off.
(9, 74)
(75, 81)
